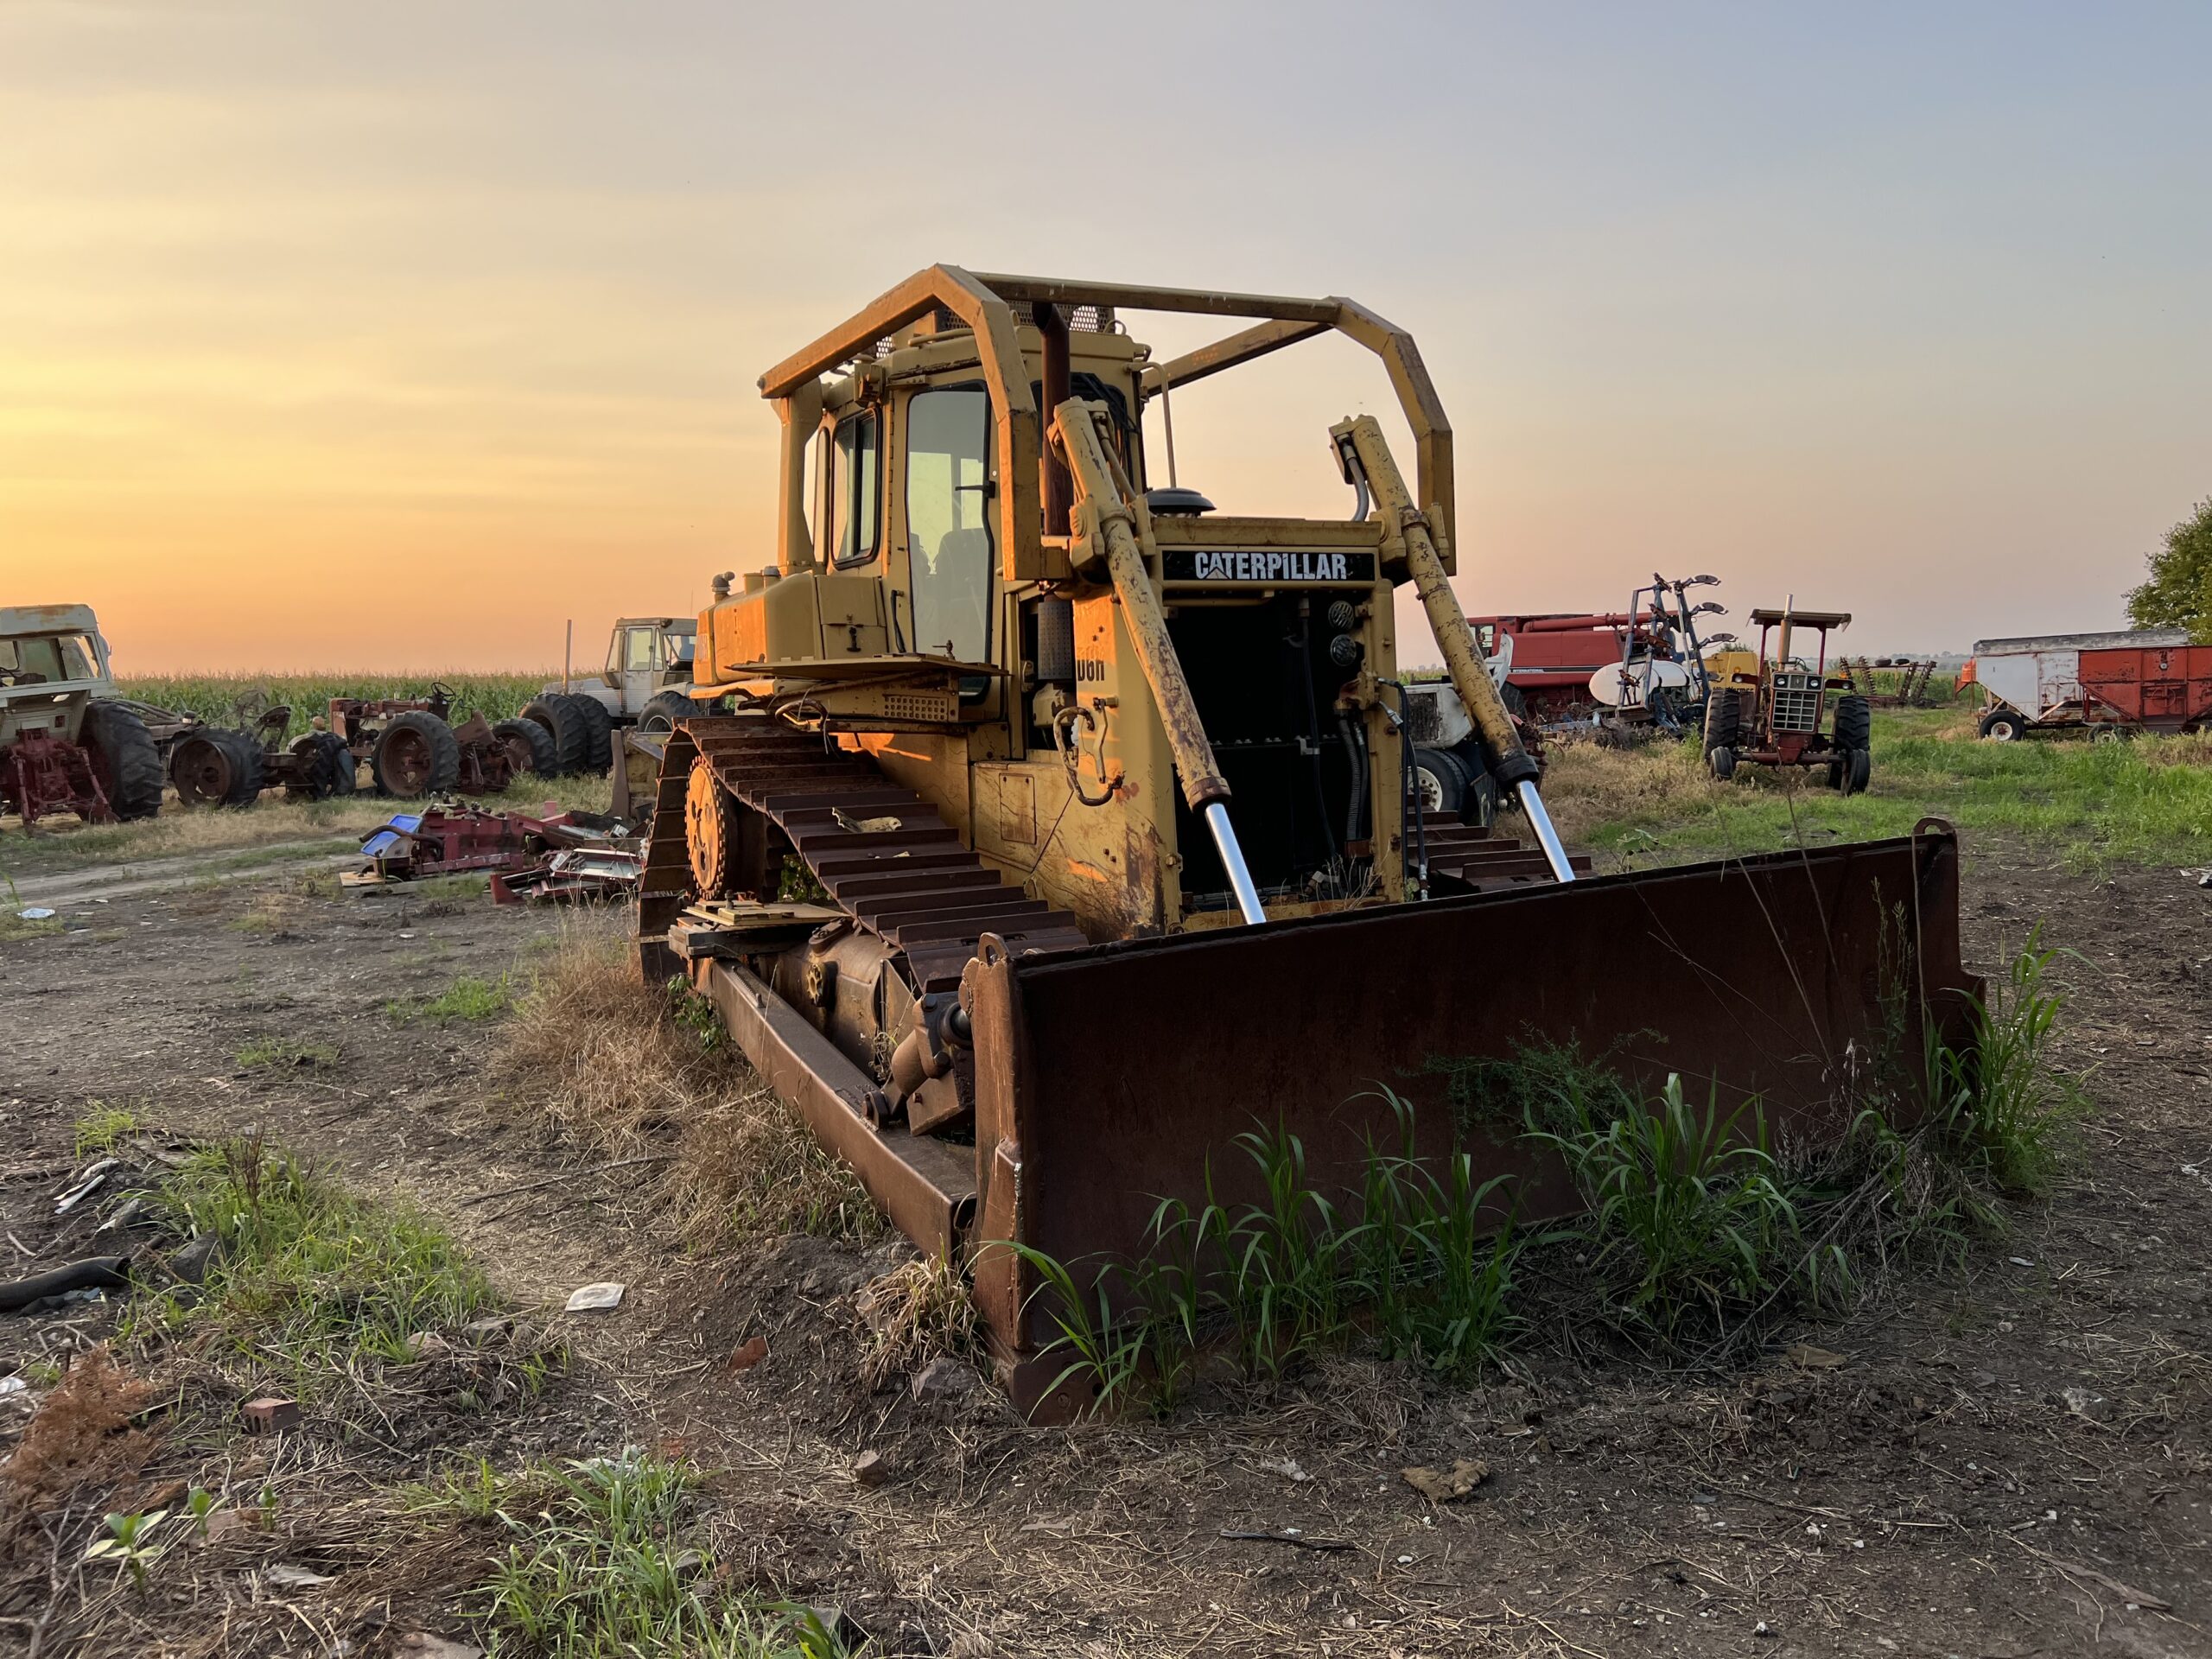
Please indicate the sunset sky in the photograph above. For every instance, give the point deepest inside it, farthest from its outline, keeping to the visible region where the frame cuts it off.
(394, 335)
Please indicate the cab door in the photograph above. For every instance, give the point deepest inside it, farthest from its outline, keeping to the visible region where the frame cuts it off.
(952, 561)
(641, 661)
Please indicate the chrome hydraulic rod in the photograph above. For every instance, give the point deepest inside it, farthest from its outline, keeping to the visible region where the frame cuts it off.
(1540, 821)
(1232, 860)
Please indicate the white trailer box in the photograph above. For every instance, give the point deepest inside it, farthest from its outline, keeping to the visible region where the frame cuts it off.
(2039, 677)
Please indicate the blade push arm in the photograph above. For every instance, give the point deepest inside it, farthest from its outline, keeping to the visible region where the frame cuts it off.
(1364, 455)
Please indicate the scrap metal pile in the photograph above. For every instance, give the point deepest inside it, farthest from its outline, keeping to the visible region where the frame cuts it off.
(556, 856)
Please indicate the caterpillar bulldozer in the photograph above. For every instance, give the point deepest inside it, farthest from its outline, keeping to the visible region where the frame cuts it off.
(1064, 828)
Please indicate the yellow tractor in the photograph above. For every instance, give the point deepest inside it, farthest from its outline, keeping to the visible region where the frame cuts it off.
(1061, 830)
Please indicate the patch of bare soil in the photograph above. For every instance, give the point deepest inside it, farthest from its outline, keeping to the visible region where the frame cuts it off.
(2007, 1459)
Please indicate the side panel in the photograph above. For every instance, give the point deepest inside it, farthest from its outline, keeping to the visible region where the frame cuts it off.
(2017, 677)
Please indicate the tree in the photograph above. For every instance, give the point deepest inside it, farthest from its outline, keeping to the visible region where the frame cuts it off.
(2179, 592)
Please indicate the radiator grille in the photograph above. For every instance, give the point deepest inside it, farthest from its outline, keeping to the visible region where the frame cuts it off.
(1796, 702)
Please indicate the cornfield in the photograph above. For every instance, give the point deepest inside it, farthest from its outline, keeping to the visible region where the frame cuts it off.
(237, 699)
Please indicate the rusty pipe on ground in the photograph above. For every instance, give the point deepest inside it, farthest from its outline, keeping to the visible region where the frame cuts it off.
(1362, 452)
(1112, 524)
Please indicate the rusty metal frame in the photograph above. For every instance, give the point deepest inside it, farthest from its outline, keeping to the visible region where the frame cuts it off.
(985, 302)
(927, 1186)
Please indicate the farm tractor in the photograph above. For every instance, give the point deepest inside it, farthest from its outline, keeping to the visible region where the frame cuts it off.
(1062, 828)
(647, 681)
(1769, 710)
(68, 743)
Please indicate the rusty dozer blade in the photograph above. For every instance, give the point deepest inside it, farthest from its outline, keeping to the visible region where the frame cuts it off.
(1111, 1077)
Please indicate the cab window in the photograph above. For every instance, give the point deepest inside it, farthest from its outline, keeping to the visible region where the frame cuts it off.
(948, 521)
(856, 472)
(641, 650)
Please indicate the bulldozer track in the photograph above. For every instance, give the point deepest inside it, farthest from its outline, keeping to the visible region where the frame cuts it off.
(909, 880)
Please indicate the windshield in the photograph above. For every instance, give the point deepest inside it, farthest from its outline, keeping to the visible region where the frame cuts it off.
(45, 659)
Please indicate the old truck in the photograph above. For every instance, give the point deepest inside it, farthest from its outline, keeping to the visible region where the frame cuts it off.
(2108, 685)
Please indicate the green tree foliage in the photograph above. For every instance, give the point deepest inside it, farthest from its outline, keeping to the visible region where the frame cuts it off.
(2179, 591)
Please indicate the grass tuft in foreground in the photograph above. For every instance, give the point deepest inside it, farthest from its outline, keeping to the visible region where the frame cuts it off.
(608, 1559)
(103, 1127)
(306, 1278)
(468, 998)
(1420, 1265)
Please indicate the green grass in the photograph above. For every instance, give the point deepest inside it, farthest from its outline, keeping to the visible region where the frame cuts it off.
(1689, 1217)
(215, 698)
(1419, 1264)
(311, 1284)
(270, 1053)
(467, 998)
(609, 1559)
(2148, 800)
(104, 1127)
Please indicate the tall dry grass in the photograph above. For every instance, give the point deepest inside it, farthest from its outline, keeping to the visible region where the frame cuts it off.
(620, 1065)
(1587, 787)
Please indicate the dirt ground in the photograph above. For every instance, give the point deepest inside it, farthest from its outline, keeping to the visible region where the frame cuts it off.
(1924, 1486)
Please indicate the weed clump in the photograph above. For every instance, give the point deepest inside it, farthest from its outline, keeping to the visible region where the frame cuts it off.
(1419, 1266)
(468, 998)
(611, 1559)
(1688, 1217)
(103, 1127)
(273, 1053)
(918, 1311)
(306, 1275)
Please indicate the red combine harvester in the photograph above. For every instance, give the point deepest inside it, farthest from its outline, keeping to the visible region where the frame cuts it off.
(1554, 656)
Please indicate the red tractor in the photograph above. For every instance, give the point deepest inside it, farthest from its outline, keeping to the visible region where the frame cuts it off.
(1771, 714)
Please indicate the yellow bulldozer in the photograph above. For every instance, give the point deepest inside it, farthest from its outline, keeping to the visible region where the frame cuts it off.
(1064, 827)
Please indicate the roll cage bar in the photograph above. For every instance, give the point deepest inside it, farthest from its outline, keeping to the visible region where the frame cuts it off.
(985, 303)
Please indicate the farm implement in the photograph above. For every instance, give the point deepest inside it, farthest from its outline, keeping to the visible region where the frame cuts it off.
(1064, 829)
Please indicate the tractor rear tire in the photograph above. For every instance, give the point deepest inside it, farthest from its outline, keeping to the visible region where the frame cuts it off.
(1854, 723)
(558, 715)
(325, 767)
(1516, 705)
(215, 767)
(664, 709)
(2003, 725)
(1720, 761)
(415, 755)
(247, 771)
(530, 747)
(599, 734)
(1723, 719)
(125, 760)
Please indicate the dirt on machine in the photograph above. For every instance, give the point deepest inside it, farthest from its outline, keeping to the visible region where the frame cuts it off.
(1062, 828)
